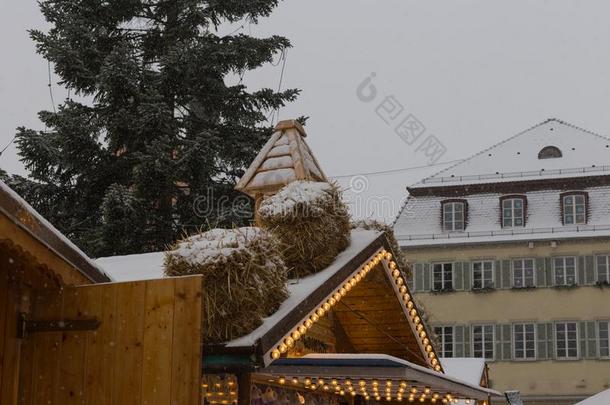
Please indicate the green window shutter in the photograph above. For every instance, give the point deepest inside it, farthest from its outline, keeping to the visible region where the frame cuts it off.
(498, 274)
(550, 340)
(589, 270)
(548, 269)
(507, 281)
(427, 277)
(507, 345)
(418, 277)
(581, 270)
(458, 343)
(458, 276)
(582, 338)
(498, 342)
(591, 340)
(467, 341)
(411, 277)
(467, 275)
(541, 341)
(540, 273)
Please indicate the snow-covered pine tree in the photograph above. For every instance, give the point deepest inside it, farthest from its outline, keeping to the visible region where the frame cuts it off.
(163, 129)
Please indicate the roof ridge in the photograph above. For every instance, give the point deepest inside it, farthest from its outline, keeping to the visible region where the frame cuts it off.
(510, 139)
(579, 128)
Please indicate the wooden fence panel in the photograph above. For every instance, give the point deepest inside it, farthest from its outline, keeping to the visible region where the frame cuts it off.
(147, 350)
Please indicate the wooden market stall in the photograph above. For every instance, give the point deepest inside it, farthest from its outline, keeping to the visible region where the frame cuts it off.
(351, 331)
(348, 333)
(69, 335)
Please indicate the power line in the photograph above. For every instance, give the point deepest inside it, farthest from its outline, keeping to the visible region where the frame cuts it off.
(8, 144)
(390, 171)
(276, 112)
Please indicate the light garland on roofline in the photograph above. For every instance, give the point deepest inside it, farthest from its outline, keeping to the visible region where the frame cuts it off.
(367, 388)
(333, 298)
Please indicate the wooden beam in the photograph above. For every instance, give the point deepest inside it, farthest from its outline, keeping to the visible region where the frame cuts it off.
(244, 388)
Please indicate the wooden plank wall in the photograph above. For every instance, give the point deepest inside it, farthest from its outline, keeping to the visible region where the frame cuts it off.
(9, 344)
(147, 350)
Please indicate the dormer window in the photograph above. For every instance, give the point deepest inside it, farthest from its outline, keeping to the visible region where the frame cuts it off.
(513, 211)
(454, 215)
(574, 208)
(549, 152)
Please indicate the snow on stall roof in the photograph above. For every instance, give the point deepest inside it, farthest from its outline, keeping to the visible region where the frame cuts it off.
(602, 398)
(466, 377)
(300, 289)
(584, 153)
(145, 266)
(467, 369)
(149, 266)
(50, 226)
(419, 223)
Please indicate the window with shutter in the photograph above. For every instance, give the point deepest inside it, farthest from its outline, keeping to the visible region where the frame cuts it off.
(566, 340)
(482, 274)
(442, 276)
(523, 273)
(483, 341)
(524, 338)
(603, 269)
(565, 270)
(445, 339)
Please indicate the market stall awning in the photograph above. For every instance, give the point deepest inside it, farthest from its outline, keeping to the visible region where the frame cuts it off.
(373, 375)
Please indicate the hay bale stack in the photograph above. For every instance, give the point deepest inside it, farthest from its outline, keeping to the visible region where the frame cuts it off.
(244, 278)
(312, 223)
(389, 234)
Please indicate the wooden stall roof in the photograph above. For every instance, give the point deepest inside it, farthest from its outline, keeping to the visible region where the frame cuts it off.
(38, 236)
(286, 157)
(383, 325)
(381, 367)
(373, 313)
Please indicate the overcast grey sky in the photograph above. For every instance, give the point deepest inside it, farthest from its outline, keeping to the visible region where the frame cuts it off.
(473, 72)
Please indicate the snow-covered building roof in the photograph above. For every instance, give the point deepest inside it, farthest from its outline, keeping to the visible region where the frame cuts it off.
(583, 153)
(538, 164)
(602, 398)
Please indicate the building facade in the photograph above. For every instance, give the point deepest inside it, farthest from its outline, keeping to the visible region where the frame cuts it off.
(511, 258)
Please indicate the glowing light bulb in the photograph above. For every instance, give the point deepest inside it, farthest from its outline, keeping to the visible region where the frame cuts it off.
(275, 354)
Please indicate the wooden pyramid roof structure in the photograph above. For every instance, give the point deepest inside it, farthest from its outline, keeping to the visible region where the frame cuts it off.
(285, 158)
